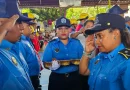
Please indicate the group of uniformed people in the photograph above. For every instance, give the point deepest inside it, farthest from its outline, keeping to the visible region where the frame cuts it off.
(104, 58)
(19, 61)
(20, 66)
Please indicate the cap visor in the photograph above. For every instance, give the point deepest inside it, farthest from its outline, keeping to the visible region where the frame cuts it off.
(63, 25)
(124, 11)
(94, 29)
(24, 18)
(30, 23)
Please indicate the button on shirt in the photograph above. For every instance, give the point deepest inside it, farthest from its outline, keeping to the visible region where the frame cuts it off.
(30, 55)
(56, 49)
(110, 71)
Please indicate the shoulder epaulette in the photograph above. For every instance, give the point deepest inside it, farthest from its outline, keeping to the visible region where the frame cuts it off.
(125, 52)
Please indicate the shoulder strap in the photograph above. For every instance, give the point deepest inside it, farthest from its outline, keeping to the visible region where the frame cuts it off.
(125, 52)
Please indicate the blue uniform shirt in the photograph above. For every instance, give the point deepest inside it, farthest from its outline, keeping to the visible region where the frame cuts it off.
(110, 71)
(14, 48)
(13, 73)
(30, 56)
(73, 50)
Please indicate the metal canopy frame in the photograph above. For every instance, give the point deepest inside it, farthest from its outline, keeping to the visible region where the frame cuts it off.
(55, 3)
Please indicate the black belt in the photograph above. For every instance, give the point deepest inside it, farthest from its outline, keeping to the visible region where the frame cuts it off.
(65, 74)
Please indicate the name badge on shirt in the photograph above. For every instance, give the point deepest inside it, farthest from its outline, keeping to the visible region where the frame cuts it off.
(57, 50)
(97, 61)
(14, 61)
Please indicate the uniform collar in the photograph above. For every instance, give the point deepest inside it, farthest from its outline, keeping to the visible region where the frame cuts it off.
(6, 45)
(23, 37)
(113, 53)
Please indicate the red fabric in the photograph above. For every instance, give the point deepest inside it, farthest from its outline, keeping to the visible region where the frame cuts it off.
(40, 38)
(36, 43)
(79, 26)
(49, 22)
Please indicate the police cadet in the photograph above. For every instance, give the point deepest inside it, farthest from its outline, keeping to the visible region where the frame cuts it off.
(13, 69)
(62, 56)
(110, 69)
(30, 55)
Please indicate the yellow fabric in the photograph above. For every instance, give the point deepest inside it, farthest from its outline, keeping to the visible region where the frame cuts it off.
(37, 34)
(91, 18)
(32, 29)
(30, 15)
(83, 15)
(73, 21)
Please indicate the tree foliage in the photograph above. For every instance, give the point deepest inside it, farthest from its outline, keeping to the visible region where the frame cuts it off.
(54, 13)
(92, 11)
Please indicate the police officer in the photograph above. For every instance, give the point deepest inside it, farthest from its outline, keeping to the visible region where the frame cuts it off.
(62, 56)
(13, 70)
(30, 55)
(109, 70)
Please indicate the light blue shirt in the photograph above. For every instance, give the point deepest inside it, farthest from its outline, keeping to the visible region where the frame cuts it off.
(13, 74)
(14, 48)
(30, 55)
(56, 49)
(110, 71)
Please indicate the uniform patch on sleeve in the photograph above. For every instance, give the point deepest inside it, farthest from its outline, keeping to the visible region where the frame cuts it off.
(125, 52)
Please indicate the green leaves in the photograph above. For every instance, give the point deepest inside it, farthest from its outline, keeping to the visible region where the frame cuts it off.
(56, 12)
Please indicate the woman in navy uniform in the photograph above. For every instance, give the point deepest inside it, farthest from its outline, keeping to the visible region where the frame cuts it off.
(110, 69)
(62, 57)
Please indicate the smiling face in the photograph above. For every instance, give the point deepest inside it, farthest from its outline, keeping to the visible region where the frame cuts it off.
(63, 32)
(107, 40)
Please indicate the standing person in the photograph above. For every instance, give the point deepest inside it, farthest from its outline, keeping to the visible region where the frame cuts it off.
(79, 32)
(31, 56)
(66, 51)
(109, 70)
(84, 78)
(13, 69)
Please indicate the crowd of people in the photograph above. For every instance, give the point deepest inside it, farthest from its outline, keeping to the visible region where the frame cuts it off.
(91, 55)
